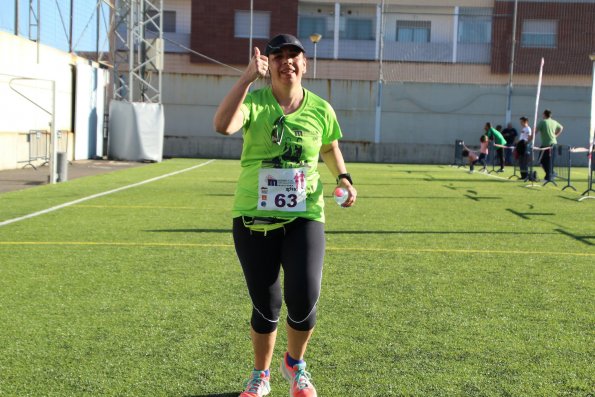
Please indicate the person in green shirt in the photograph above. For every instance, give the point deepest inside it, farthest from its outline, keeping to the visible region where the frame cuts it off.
(278, 210)
(549, 130)
(499, 141)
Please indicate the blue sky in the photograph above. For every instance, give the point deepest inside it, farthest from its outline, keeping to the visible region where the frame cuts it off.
(54, 16)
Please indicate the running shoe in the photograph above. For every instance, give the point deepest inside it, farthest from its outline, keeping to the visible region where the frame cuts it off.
(298, 378)
(257, 386)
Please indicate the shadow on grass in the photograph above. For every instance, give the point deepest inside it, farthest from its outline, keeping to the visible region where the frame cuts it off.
(575, 199)
(473, 232)
(388, 180)
(527, 215)
(214, 395)
(475, 198)
(407, 197)
(189, 231)
(24, 182)
(580, 239)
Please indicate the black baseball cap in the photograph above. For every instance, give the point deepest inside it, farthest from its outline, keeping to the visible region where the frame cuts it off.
(283, 40)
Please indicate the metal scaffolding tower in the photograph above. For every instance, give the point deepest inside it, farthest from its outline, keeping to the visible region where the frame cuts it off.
(137, 50)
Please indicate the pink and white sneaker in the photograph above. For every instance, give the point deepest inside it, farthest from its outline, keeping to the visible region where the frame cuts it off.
(258, 385)
(298, 378)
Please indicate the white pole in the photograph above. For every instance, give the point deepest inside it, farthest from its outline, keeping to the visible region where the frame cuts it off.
(378, 118)
(162, 53)
(315, 46)
(592, 127)
(509, 96)
(535, 120)
(336, 32)
(455, 32)
(251, 27)
(378, 24)
(586, 194)
(315, 38)
(537, 100)
(38, 28)
(131, 53)
(54, 138)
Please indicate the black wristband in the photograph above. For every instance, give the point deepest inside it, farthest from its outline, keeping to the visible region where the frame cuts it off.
(346, 176)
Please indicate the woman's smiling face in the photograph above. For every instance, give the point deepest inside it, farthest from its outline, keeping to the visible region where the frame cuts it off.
(287, 65)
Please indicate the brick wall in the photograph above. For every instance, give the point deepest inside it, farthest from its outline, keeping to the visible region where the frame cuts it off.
(575, 41)
(213, 27)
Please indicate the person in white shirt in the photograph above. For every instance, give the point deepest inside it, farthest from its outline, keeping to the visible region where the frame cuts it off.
(523, 148)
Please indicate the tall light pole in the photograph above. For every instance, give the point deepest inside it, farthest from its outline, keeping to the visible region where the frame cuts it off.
(315, 38)
(511, 68)
(380, 82)
(251, 30)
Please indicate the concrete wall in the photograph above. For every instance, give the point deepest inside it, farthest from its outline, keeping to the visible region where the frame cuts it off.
(27, 72)
(419, 121)
(24, 69)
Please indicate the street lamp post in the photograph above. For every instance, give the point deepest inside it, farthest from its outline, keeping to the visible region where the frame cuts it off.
(315, 38)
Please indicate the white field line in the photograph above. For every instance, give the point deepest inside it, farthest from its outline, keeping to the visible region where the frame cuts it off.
(94, 196)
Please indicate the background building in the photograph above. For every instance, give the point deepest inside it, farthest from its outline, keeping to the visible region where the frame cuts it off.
(407, 78)
(404, 90)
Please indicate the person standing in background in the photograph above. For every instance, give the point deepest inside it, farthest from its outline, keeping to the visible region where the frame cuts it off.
(509, 133)
(549, 130)
(499, 141)
(523, 148)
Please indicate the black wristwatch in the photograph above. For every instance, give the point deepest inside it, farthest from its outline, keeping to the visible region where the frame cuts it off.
(346, 176)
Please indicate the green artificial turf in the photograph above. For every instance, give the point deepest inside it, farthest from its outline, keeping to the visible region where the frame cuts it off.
(437, 283)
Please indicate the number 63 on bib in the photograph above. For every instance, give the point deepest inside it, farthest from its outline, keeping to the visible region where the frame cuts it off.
(282, 189)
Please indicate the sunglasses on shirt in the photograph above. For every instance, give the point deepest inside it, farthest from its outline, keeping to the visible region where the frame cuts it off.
(278, 129)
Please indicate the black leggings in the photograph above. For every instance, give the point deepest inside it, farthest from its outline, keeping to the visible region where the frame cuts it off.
(299, 248)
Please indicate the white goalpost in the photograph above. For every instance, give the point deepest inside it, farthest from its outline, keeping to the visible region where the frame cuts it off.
(53, 146)
(54, 138)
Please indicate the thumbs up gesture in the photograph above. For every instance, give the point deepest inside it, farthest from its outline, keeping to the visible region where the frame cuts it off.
(258, 67)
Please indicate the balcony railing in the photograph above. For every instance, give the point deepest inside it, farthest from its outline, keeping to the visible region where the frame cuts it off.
(366, 50)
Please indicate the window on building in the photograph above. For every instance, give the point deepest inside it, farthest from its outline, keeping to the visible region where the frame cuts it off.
(261, 24)
(169, 21)
(309, 25)
(358, 29)
(475, 25)
(413, 31)
(539, 33)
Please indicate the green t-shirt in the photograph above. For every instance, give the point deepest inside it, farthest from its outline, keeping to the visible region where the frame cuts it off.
(548, 128)
(313, 124)
(498, 137)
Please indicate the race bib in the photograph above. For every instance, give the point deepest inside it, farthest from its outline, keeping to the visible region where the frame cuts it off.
(282, 189)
